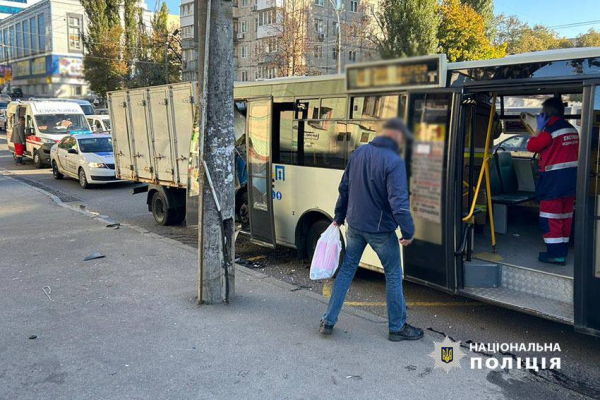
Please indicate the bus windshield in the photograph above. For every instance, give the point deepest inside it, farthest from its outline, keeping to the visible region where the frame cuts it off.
(61, 123)
(87, 109)
(96, 145)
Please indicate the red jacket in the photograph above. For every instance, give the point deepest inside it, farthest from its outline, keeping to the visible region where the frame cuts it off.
(558, 148)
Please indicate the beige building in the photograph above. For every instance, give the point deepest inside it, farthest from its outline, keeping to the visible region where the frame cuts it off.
(276, 38)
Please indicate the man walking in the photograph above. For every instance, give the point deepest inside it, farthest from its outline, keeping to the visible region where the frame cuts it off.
(557, 143)
(373, 198)
(18, 139)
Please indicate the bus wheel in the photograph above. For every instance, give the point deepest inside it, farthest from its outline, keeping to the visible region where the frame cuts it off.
(37, 160)
(244, 210)
(314, 233)
(55, 171)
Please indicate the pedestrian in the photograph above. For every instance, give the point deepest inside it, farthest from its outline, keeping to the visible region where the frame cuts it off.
(18, 139)
(373, 200)
(557, 143)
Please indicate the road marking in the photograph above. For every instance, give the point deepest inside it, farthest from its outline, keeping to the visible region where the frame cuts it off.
(327, 294)
(256, 258)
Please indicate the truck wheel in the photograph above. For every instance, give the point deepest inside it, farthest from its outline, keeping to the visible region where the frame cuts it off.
(55, 172)
(314, 233)
(163, 215)
(37, 160)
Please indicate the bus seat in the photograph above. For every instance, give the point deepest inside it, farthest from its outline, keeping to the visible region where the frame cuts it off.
(505, 189)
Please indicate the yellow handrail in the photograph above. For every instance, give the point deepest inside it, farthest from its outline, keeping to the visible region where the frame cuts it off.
(485, 171)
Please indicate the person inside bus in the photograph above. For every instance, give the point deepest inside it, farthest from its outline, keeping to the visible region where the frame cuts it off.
(19, 139)
(373, 200)
(557, 143)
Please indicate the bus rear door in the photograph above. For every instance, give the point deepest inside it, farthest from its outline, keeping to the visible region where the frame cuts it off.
(430, 259)
(587, 217)
(260, 189)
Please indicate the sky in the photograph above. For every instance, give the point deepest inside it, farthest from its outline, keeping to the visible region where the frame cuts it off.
(547, 12)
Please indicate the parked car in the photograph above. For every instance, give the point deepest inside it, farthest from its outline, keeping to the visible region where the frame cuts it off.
(517, 145)
(46, 122)
(101, 111)
(86, 157)
(99, 123)
(3, 106)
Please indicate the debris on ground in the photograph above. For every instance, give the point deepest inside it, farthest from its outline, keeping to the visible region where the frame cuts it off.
(248, 263)
(115, 225)
(33, 337)
(355, 377)
(47, 291)
(94, 256)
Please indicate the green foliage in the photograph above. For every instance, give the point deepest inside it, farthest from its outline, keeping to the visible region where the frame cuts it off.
(589, 39)
(519, 37)
(462, 34)
(408, 28)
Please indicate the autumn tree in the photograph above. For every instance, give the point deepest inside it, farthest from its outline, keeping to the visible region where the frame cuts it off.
(103, 65)
(485, 8)
(406, 28)
(462, 34)
(519, 37)
(589, 39)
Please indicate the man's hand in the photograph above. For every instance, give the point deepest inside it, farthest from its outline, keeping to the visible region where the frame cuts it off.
(405, 242)
(335, 224)
(541, 120)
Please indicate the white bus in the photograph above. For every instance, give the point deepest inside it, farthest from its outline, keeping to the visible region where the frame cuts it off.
(300, 133)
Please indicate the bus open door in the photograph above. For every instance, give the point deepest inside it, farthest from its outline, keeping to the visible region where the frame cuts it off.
(430, 259)
(587, 217)
(260, 189)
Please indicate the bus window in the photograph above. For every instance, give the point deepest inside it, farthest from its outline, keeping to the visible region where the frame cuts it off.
(334, 108)
(375, 107)
(361, 132)
(308, 109)
(324, 144)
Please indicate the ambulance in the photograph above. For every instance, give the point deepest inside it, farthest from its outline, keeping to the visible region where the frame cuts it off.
(46, 123)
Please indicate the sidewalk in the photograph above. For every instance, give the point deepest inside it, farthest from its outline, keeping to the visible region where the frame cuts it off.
(127, 326)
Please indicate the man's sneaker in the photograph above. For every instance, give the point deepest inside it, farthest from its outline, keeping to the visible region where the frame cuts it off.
(545, 258)
(325, 329)
(407, 333)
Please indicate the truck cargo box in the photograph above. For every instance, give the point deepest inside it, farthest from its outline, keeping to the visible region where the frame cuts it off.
(151, 131)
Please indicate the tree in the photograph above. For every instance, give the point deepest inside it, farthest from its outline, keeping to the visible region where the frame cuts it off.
(589, 39)
(519, 37)
(462, 34)
(103, 65)
(406, 28)
(130, 30)
(485, 8)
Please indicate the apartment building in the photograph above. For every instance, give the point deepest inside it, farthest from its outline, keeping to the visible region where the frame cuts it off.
(276, 38)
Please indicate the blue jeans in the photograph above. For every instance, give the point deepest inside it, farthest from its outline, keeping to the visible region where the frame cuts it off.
(388, 250)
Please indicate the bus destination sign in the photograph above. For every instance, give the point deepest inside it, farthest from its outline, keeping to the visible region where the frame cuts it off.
(408, 73)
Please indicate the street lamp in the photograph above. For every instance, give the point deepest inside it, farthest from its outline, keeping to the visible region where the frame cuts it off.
(339, 41)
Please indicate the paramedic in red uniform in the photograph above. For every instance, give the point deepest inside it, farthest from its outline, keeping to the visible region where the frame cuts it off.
(557, 143)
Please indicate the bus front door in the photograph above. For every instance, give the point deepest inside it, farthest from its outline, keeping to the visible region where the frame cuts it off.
(430, 258)
(587, 217)
(260, 190)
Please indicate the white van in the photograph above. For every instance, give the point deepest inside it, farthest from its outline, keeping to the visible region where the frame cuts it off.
(46, 122)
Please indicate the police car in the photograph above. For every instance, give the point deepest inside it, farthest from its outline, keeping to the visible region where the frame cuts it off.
(86, 157)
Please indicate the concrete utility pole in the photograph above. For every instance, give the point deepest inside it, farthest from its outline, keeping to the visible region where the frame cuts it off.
(216, 223)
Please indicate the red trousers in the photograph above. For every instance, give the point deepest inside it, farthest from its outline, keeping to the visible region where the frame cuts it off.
(19, 149)
(556, 220)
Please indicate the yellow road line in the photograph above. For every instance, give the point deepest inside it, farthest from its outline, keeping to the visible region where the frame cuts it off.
(256, 258)
(327, 294)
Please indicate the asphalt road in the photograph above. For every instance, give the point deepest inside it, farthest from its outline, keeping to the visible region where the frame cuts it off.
(461, 319)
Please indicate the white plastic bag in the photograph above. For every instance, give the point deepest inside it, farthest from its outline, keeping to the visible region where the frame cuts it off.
(327, 254)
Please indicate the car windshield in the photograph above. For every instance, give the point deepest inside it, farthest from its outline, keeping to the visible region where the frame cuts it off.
(106, 123)
(61, 123)
(87, 109)
(96, 145)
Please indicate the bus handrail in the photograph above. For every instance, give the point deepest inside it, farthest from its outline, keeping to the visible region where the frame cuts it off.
(485, 170)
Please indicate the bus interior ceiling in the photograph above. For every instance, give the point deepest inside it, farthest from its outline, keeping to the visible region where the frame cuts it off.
(521, 278)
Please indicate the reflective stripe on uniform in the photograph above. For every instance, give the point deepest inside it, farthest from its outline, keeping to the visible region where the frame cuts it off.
(556, 240)
(564, 131)
(570, 164)
(555, 216)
